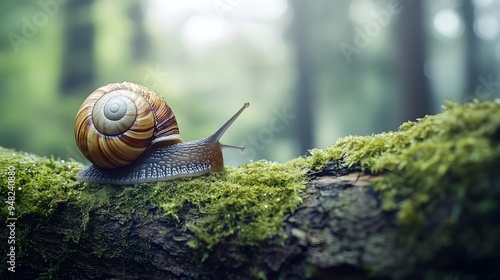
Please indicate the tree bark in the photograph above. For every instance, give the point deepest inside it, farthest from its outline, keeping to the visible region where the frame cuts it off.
(338, 232)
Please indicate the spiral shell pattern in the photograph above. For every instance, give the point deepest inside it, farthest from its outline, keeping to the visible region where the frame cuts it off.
(118, 122)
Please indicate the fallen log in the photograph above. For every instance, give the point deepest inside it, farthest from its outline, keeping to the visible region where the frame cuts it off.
(413, 204)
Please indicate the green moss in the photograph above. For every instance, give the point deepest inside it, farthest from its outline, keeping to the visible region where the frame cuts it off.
(39, 183)
(247, 202)
(447, 162)
(448, 152)
(451, 158)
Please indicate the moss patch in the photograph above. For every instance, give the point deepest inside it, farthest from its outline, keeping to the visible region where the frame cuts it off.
(447, 161)
(450, 151)
(450, 159)
(247, 203)
(39, 183)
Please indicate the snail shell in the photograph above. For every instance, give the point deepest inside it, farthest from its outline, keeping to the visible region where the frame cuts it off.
(130, 134)
(118, 122)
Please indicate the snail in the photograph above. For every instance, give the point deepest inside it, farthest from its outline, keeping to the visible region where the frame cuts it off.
(130, 134)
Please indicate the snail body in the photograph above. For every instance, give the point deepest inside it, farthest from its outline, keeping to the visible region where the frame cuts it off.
(140, 144)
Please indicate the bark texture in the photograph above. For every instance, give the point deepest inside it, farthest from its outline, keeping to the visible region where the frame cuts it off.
(338, 232)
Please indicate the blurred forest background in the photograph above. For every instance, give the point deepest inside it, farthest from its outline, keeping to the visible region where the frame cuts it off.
(312, 70)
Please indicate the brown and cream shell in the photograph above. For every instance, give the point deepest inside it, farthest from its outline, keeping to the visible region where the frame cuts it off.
(117, 123)
(131, 136)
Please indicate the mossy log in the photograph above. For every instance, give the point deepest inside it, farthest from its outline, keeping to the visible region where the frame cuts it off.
(337, 230)
(419, 203)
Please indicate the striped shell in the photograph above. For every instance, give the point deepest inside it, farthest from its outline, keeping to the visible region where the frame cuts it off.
(118, 122)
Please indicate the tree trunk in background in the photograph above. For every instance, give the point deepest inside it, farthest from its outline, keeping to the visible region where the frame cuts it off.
(305, 89)
(416, 97)
(140, 43)
(78, 58)
(471, 63)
